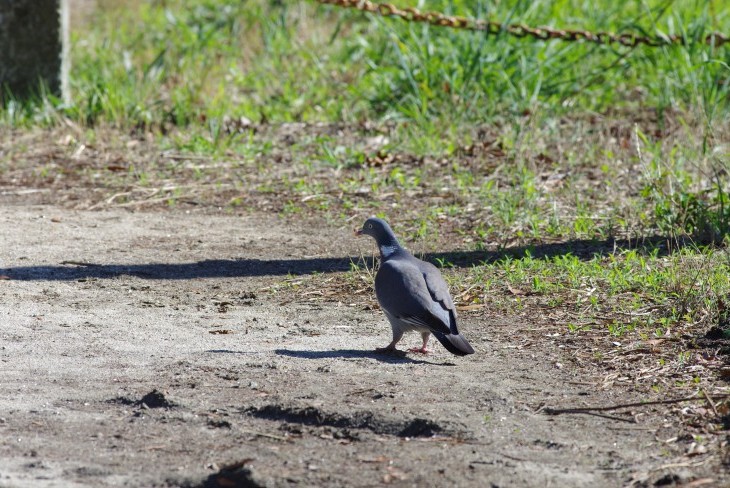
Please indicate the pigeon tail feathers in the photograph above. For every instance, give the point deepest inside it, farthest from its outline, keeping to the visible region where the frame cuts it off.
(454, 343)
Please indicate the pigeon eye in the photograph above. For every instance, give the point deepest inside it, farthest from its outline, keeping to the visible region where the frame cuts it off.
(370, 226)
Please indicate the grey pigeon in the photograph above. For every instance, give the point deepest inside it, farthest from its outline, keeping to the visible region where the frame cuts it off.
(413, 294)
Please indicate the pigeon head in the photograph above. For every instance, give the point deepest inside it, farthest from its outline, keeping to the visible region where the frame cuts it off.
(377, 228)
(382, 233)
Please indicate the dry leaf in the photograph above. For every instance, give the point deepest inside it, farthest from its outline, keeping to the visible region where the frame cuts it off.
(517, 291)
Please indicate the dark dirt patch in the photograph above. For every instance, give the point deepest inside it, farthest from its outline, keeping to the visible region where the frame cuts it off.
(219, 424)
(236, 475)
(669, 479)
(153, 399)
(718, 333)
(360, 420)
(717, 338)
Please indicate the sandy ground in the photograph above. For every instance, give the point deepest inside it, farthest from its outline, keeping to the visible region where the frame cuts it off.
(148, 349)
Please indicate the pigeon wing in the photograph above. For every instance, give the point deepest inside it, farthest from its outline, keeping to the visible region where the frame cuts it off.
(439, 291)
(436, 285)
(402, 291)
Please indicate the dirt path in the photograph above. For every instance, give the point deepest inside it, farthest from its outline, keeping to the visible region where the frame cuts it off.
(149, 350)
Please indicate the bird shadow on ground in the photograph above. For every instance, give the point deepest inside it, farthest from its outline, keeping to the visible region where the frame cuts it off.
(397, 357)
(234, 268)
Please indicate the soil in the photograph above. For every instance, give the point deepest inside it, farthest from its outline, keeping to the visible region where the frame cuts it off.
(186, 349)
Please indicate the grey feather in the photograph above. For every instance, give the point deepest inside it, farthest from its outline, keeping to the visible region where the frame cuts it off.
(413, 294)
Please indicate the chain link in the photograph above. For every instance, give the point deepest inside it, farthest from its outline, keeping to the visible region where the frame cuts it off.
(439, 19)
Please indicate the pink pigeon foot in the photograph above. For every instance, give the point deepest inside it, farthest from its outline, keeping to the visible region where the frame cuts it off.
(421, 350)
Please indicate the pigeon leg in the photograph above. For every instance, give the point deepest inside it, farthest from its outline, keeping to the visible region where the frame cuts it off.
(389, 348)
(397, 334)
(422, 349)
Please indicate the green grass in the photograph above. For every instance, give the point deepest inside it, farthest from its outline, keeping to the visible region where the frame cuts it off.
(620, 292)
(190, 62)
(464, 141)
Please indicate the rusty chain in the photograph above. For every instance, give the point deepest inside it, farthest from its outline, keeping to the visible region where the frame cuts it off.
(439, 19)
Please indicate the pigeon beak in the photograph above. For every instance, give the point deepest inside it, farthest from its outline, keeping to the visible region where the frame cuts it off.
(358, 232)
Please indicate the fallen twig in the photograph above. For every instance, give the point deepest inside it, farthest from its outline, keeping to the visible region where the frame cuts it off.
(514, 458)
(605, 416)
(709, 400)
(186, 157)
(262, 434)
(558, 411)
(79, 263)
